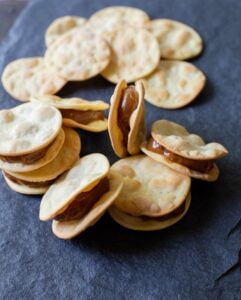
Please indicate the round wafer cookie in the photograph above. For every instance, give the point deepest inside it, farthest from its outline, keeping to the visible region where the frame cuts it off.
(27, 77)
(177, 139)
(69, 229)
(150, 188)
(24, 189)
(104, 20)
(77, 104)
(78, 55)
(51, 152)
(27, 128)
(67, 156)
(147, 224)
(176, 40)
(137, 122)
(135, 54)
(60, 26)
(82, 177)
(211, 175)
(173, 84)
(71, 103)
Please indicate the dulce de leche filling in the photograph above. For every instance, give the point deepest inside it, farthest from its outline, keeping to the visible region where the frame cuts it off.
(83, 117)
(28, 183)
(84, 202)
(27, 159)
(129, 102)
(197, 165)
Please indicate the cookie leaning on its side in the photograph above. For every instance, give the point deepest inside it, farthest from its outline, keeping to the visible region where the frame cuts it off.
(126, 122)
(81, 196)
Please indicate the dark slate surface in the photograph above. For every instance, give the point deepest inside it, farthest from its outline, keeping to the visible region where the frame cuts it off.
(108, 261)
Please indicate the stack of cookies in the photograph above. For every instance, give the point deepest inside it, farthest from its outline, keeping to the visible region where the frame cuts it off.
(39, 149)
(34, 147)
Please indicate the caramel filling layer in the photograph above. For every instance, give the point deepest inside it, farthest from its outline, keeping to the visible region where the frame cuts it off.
(27, 159)
(28, 183)
(197, 165)
(83, 117)
(176, 212)
(129, 102)
(84, 202)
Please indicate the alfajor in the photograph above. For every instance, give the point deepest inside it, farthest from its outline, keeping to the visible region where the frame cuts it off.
(30, 136)
(182, 151)
(149, 200)
(38, 181)
(126, 122)
(80, 196)
(77, 112)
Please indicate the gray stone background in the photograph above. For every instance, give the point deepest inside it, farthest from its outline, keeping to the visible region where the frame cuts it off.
(185, 261)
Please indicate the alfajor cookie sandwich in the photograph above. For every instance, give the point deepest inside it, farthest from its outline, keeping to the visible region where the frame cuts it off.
(149, 200)
(30, 136)
(183, 151)
(38, 181)
(80, 196)
(126, 122)
(77, 112)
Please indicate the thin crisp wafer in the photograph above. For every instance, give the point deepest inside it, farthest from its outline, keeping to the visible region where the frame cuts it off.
(176, 40)
(150, 188)
(27, 77)
(151, 224)
(60, 26)
(22, 130)
(69, 229)
(135, 54)
(78, 55)
(104, 20)
(173, 84)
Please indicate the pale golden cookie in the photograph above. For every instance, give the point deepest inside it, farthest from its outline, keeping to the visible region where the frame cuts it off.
(211, 175)
(67, 156)
(77, 104)
(135, 54)
(78, 55)
(178, 140)
(27, 77)
(37, 182)
(176, 40)
(82, 177)
(69, 229)
(146, 224)
(150, 188)
(24, 189)
(51, 152)
(60, 26)
(184, 152)
(104, 20)
(136, 122)
(173, 84)
(28, 127)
